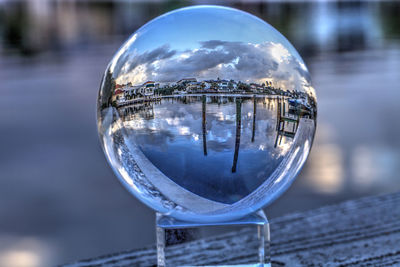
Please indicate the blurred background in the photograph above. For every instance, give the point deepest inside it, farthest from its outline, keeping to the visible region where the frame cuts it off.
(60, 201)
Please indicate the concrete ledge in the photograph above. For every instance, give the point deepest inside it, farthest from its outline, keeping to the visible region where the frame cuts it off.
(354, 233)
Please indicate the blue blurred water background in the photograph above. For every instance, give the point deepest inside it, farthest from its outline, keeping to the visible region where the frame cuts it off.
(60, 201)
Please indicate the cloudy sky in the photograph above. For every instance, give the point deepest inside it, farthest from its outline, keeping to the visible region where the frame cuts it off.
(206, 43)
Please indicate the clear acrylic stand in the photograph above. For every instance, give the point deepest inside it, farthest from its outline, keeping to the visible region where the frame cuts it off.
(250, 245)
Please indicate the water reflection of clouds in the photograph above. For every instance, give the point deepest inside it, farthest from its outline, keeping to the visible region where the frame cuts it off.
(192, 136)
(183, 122)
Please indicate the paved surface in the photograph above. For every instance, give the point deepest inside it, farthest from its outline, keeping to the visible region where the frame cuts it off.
(363, 232)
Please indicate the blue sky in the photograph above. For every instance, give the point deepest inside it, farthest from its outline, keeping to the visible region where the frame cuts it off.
(185, 28)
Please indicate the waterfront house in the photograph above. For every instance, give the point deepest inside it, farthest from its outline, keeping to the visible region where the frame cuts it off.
(193, 87)
(148, 88)
(118, 96)
(186, 81)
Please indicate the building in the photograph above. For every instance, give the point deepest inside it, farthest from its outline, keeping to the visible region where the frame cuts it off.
(222, 85)
(193, 87)
(256, 88)
(148, 88)
(118, 96)
(207, 84)
(131, 92)
(186, 81)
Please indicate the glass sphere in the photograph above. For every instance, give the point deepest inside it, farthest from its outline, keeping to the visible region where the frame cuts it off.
(206, 114)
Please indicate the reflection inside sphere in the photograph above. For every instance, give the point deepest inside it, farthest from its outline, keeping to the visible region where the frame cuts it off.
(206, 113)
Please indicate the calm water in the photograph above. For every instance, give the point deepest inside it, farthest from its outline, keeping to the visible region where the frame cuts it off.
(60, 201)
(206, 162)
(219, 147)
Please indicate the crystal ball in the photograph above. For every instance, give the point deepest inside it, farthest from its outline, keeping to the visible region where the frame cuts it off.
(206, 114)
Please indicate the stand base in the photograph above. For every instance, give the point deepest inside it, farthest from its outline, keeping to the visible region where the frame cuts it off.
(252, 252)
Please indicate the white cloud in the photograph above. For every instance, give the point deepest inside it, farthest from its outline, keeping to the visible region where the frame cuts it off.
(228, 60)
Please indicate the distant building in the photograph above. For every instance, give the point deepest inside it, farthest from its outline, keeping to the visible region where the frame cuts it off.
(185, 81)
(130, 92)
(232, 85)
(193, 87)
(148, 88)
(118, 95)
(222, 85)
(256, 88)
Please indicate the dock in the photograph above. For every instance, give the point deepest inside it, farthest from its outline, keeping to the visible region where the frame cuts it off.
(140, 100)
(362, 232)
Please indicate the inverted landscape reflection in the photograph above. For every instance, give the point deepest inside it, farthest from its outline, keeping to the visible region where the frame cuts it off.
(203, 126)
(202, 141)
